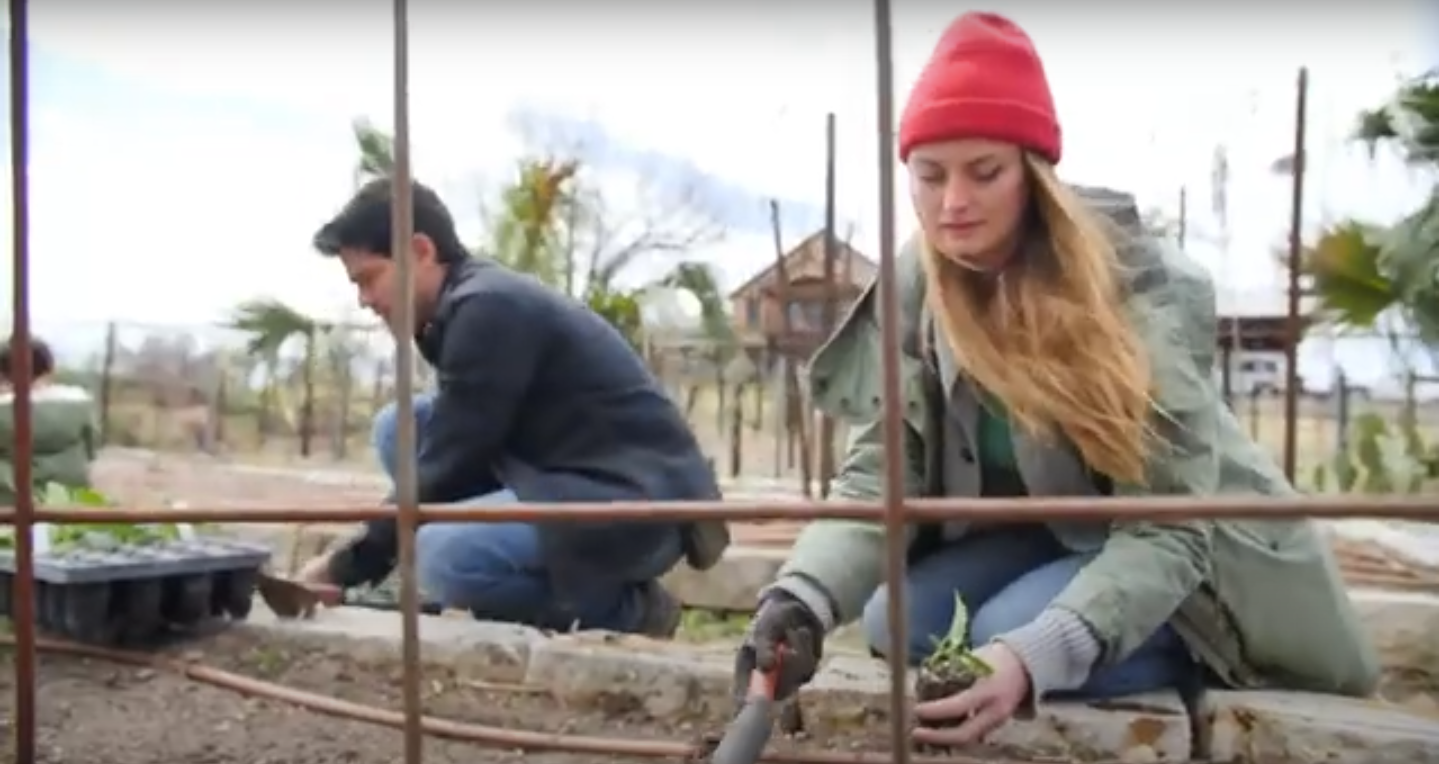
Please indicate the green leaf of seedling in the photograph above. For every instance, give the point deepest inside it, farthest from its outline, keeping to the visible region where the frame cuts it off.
(954, 645)
(59, 494)
(88, 497)
(975, 664)
(959, 624)
(53, 495)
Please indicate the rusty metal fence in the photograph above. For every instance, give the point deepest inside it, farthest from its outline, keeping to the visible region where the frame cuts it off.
(894, 511)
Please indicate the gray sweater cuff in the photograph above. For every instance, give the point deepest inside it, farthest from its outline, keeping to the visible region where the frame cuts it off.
(1058, 650)
(810, 594)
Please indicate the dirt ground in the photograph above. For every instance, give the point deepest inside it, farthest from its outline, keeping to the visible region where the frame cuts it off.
(96, 712)
(137, 479)
(133, 478)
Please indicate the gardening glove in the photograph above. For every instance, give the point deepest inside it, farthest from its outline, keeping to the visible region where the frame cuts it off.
(786, 634)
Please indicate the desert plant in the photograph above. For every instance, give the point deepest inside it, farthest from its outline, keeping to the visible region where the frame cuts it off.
(1381, 459)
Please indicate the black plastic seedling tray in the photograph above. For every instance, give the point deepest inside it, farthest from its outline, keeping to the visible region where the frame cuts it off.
(139, 596)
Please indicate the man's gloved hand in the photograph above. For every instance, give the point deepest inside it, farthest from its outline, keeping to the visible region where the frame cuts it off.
(785, 633)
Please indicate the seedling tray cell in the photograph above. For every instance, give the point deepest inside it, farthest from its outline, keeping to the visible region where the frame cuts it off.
(139, 595)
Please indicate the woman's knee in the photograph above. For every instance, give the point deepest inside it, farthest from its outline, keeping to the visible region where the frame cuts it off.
(1161, 662)
(972, 571)
(1023, 599)
(926, 614)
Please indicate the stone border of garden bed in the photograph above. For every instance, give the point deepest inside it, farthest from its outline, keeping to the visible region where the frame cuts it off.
(674, 682)
(1401, 624)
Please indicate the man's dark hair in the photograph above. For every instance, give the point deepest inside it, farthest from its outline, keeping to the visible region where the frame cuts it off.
(42, 361)
(364, 223)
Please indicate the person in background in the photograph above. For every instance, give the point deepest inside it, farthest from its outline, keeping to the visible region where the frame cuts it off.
(1050, 348)
(63, 417)
(539, 400)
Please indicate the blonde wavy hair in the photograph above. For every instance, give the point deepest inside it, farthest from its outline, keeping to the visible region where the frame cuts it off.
(1047, 338)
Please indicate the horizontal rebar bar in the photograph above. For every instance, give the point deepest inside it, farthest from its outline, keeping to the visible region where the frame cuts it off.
(1159, 508)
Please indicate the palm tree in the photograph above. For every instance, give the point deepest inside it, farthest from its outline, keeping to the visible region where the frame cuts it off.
(341, 348)
(1361, 271)
(271, 324)
(375, 158)
(376, 152)
(546, 211)
(528, 229)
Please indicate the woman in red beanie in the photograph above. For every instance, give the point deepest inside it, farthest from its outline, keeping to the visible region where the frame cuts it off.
(1050, 349)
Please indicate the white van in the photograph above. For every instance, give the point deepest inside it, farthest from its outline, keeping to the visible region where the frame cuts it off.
(1253, 372)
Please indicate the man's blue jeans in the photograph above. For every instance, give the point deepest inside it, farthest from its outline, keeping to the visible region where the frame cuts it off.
(495, 570)
(1006, 577)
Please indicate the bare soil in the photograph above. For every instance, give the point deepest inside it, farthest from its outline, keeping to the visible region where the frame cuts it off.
(96, 712)
(150, 481)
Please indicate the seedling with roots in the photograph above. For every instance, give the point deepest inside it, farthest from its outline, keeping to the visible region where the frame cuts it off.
(952, 668)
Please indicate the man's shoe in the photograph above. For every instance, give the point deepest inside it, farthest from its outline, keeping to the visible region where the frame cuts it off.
(662, 612)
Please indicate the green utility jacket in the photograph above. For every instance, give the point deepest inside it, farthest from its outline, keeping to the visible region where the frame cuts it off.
(64, 438)
(1260, 602)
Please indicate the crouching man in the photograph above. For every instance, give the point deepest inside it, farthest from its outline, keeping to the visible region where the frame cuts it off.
(539, 400)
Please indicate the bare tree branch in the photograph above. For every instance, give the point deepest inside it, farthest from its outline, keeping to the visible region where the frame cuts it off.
(627, 211)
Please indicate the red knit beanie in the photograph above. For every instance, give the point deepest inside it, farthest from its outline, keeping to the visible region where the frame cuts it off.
(984, 80)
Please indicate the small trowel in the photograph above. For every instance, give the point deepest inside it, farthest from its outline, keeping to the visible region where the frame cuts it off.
(749, 733)
(292, 599)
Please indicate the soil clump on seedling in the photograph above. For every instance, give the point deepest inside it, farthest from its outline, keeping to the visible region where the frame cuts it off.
(950, 669)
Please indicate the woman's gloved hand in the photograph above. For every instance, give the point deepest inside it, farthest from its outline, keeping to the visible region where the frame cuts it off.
(783, 634)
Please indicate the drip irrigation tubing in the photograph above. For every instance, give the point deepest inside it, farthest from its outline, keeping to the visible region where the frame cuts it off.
(479, 734)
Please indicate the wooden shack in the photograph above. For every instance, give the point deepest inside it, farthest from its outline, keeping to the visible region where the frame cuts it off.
(759, 305)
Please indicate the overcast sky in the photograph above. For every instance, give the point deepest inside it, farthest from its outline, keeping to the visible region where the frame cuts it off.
(184, 153)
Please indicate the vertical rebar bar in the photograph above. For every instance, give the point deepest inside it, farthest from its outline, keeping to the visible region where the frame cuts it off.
(1296, 266)
(402, 222)
(22, 602)
(896, 540)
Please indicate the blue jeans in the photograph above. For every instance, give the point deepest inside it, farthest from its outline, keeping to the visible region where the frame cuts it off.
(1006, 577)
(496, 571)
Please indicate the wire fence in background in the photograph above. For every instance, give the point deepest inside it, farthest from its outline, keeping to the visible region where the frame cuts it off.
(218, 390)
(205, 388)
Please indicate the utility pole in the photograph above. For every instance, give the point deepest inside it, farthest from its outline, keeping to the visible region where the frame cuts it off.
(1296, 258)
(1182, 235)
(796, 421)
(831, 297)
(1219, 207)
